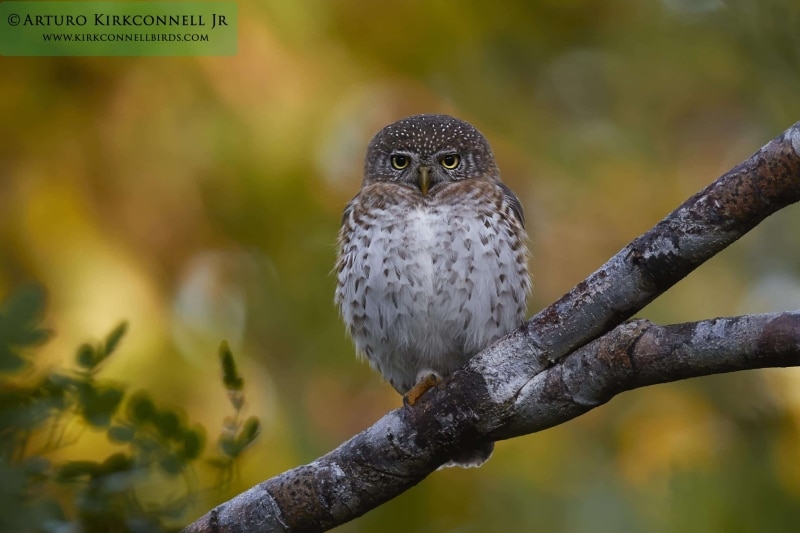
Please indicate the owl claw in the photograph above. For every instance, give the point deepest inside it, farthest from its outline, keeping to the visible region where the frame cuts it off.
(423, 385)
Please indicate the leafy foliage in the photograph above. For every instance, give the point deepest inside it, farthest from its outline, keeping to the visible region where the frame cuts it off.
(156, 444)
(237, 434)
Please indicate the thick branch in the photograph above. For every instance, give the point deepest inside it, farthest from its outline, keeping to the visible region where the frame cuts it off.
(639, 353)
(505, 390)
(697, 230)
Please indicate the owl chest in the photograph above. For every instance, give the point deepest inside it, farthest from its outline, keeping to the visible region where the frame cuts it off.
(430, 262)
(427, 287)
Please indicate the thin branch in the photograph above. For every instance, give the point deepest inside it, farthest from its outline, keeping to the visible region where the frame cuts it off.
(526, 381)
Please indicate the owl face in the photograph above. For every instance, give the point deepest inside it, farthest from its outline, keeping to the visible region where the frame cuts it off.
(427, 152)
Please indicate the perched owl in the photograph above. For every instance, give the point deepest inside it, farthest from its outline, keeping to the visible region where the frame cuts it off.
(432, 259)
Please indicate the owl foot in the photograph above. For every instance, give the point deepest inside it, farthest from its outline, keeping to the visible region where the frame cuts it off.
(428, 381)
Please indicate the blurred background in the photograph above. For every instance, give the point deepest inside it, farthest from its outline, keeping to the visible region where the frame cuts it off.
(199, 198)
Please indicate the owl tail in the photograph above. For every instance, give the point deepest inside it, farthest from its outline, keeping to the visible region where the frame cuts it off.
(472, 457)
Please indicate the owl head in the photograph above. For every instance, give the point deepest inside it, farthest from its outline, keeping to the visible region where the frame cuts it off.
(426, 152)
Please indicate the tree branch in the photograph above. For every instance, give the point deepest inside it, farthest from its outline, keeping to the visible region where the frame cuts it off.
(639, 353)
(539, 376)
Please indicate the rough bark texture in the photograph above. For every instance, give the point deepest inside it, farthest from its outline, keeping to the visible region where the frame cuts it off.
(552, 369)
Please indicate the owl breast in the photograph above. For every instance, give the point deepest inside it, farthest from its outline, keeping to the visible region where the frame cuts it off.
(426, 283)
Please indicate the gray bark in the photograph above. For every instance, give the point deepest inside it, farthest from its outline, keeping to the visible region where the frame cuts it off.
(574, 355)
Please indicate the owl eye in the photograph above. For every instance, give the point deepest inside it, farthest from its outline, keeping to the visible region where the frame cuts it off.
(400, 161)
(450, 161)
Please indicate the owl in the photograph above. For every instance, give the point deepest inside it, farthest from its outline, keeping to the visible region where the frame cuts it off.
(432, 256)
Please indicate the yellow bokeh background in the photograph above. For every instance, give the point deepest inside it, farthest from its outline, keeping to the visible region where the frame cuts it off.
(199, 199)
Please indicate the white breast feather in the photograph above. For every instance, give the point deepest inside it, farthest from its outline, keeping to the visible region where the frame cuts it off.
(432, 291)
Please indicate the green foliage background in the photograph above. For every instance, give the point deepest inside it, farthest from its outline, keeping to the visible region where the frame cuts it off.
(148, 483)
(199, 199)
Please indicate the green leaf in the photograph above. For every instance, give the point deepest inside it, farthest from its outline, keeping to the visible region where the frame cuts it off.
(118, 462)
(121, 434)
(141, 408)
(10, 361)
(113, 338)
(20, 316)
(234, 446)
(99, 403)
(27, 303)
(86, 356)
(168, 424)
(230, 376)
(193, 443)
(249, 432)
(229, 446)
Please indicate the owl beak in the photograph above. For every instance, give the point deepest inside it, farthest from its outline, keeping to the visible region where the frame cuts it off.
(424, 179)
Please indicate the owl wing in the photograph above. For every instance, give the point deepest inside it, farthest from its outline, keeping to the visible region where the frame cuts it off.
(514, 202)
(348, 209)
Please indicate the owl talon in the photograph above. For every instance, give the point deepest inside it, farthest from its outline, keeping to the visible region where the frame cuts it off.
(423, 385)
